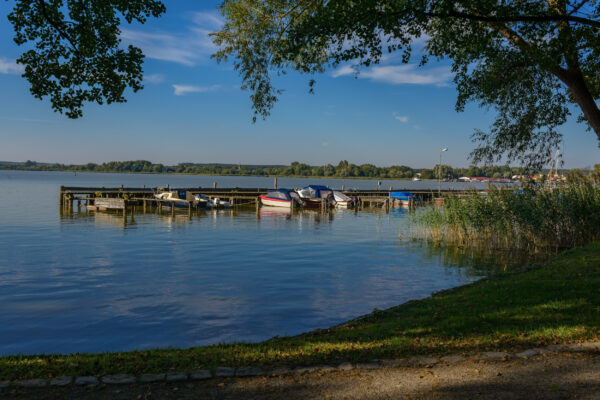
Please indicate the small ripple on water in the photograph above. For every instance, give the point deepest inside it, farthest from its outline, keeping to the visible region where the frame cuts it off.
(87, 283)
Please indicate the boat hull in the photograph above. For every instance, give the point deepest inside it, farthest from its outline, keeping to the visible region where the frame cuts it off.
(402, 203)
(312, 203)
(343, 204)
(276, 202)
(183, 204)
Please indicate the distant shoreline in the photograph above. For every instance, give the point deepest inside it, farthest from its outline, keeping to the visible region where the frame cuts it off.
(342, 170)
(215, 174)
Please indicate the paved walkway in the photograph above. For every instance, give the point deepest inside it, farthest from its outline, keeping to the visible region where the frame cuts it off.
(546, 376)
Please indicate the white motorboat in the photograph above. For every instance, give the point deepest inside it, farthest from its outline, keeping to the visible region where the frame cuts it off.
(218, 203)
(341, 200)
(182, 199)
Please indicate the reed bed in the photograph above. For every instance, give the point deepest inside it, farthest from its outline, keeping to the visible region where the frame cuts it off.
(532, 219)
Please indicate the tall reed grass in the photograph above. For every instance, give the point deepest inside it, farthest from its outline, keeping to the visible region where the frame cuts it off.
(526, 219)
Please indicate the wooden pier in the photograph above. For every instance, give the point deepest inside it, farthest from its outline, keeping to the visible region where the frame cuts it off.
(121, 198)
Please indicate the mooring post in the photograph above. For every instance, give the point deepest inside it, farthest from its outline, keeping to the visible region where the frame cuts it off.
(275, 184)
(214, 185)
(343, 187)
(168, 187)
(172, 208)
(257, 204)
(189, 209)
(61, 197)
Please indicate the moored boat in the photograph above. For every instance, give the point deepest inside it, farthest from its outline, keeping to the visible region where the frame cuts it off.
(182, 199)
(342, 201)
(218, 203)
(314, 195)
(403, 199)
(280, 198)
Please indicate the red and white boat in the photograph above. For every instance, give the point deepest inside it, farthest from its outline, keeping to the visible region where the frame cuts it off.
(280, 198)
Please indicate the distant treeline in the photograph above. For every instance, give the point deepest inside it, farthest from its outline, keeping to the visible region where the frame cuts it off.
(343, 169)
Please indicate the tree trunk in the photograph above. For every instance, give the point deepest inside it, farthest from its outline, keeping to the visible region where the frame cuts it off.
(587, 103)
(576, 84)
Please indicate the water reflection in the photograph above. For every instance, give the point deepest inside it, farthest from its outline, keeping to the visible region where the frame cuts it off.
(100, 281)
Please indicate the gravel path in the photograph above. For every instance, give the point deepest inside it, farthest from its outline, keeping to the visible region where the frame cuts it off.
(548, 376)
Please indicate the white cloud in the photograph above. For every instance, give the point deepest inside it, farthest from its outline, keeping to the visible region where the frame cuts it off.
(154, 78)
(406, 74)
(10, 67)
(181, 90)
(189, 47)
(401, 118)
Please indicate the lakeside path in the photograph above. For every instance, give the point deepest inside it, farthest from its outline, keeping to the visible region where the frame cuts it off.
(565, 375)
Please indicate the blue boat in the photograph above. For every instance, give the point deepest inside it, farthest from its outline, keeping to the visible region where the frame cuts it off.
(403, 199)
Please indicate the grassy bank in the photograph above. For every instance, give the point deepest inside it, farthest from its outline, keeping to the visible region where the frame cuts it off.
(556, 302)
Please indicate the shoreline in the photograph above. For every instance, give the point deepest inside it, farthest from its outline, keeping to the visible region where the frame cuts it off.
(553, 303)
(235, 175)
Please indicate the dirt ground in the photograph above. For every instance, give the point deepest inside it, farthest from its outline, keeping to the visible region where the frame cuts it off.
(550, 376)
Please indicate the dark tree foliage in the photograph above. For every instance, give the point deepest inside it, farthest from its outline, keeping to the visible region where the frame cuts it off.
(344, 169)
(74, 54)
(528, 60)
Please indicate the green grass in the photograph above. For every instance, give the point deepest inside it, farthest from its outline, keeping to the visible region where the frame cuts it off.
(556, 302)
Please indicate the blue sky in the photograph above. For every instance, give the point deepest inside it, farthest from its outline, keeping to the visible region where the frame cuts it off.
(192, 110)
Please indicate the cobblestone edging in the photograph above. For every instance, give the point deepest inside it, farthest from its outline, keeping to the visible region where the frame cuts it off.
(226, 372)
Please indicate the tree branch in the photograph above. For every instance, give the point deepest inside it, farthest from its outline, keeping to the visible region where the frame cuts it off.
(516, 18)
(42, 6)
(577, 7)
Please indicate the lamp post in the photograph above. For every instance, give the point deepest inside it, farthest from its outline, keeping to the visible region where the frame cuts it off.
(440, 172)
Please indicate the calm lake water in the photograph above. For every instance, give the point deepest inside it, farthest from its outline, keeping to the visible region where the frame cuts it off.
(88, 283)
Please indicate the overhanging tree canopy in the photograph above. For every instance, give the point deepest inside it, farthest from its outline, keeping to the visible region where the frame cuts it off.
(74, 51)
(527, 59)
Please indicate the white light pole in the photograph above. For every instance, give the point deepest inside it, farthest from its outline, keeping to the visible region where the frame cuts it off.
(440, 172)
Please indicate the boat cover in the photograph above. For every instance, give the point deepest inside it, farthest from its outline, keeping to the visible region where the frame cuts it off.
(316, 192)
(281, 194)
(402, 195)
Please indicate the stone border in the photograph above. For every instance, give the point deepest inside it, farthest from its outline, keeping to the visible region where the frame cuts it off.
(226, 372)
